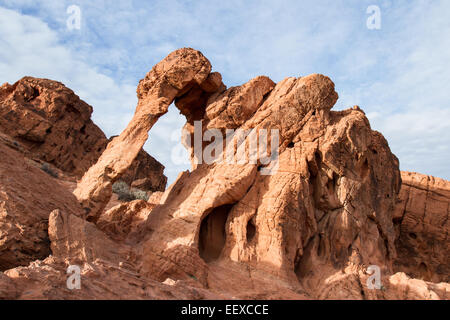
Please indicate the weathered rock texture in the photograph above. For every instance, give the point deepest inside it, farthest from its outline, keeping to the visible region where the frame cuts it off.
(329, 204)
(174, 76)
(54, 125)
(27, 196)
(107, 269)
(145, 173)
(309, 230)
(422, 217)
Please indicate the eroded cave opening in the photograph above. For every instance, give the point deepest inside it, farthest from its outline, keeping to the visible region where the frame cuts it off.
(251, 230)
(212, 235)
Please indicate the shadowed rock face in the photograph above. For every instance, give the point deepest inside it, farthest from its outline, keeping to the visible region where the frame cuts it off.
(42, 120)
(52, 124)
(309, 230)
(422, 220)
(27, 196)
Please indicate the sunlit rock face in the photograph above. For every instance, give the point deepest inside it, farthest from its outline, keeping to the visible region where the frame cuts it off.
(310, 223)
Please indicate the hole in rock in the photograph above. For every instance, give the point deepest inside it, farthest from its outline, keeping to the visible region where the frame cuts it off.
(413, 235)
(36, 92)
(251, 230)
(212, 234)
(164, 144)
(290, 145)
(423, 270)
(365, 169)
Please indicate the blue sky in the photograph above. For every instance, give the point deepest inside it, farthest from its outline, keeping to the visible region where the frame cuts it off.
(399, 74)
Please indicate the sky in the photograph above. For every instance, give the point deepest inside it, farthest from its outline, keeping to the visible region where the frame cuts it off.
(399, 73)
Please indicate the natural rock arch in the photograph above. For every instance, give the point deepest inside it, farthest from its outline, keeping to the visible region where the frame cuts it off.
(182, 71)
(325, 205)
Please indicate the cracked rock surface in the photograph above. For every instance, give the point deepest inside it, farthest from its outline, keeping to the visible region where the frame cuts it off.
(334, 204)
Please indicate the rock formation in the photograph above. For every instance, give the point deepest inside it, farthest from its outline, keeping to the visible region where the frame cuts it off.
(309, 224)
(27, 196)
(422, 219)
(173, 77)
(52, 124)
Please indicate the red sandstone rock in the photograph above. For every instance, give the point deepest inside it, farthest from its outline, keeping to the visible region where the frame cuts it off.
(145, 173)
(52, 124)
(27, 196)
(171, 78)
(329, 203)
(422, 216)
(107, 269)
(120, 220)
(51, 121)
(308, 231)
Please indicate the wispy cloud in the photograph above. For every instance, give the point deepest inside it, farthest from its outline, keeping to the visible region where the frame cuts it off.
(30, 47)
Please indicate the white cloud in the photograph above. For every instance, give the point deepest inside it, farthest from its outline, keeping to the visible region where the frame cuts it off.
(30, 48)
(409, 100)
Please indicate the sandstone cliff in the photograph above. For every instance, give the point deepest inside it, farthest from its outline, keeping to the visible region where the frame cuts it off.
(332, 206)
